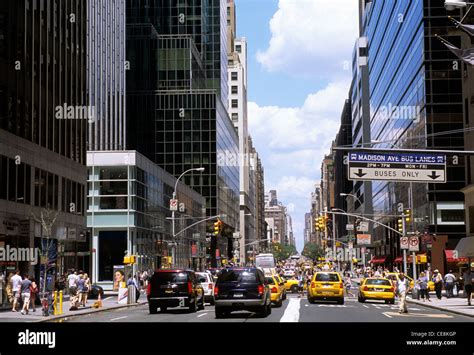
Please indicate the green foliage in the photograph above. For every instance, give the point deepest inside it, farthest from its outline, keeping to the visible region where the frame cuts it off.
(282, 252)
(313, 251)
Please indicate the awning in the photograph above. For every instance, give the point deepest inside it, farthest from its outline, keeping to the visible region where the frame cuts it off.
(465, 247)
(398, 260)
(452, 257)
(378, 260)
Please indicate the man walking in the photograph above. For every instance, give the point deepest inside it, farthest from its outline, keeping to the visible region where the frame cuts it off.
(403, 286)
(449, 280)
(438, 281)
(467, 277)
(16, 281)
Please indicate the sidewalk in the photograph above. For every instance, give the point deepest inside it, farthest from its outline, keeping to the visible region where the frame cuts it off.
(456, 305)
(109, 302)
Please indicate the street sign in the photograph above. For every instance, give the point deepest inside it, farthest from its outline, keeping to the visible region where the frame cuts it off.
(173, 204)
(414, 244)
(397, 167)
(404, 243)
(349, 227)
(363, 239)
(363, 227)
(351, 245)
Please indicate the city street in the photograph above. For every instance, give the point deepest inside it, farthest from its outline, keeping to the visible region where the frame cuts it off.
(294, 309)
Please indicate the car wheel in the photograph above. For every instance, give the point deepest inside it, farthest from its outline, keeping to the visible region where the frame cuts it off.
(284, 296)
(361, 299)
(263, 311)
(269, 309)
(294, 289)
(152, 307)
(212, 302)
(219, 313)
(340, 301)
(392, 301)
(163, 309)
(193, 306)
(310, 299)
(279, 303)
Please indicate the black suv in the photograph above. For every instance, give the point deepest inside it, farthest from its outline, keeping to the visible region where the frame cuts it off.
(174, 288)
(242, 289)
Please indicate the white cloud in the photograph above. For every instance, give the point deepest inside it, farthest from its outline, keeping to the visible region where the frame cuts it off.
(312, 37)
(292, 142)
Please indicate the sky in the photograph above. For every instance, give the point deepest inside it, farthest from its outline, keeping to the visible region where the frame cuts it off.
(299, 74)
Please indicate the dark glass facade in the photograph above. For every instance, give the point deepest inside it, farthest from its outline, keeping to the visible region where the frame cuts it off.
(415, 91)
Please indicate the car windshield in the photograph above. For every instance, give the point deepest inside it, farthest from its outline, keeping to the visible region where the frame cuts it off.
(378, 282)
(327, 277)
(237, 276)
(165, 277)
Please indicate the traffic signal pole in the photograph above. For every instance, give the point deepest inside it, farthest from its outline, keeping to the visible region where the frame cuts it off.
(404, 231)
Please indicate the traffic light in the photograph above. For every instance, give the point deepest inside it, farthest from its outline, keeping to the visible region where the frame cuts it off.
(400, 225)
(217, 227)
(407, 215)
(129, 259)
(316, 224)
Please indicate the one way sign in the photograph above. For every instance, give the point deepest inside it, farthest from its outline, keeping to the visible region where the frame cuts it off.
(430, 168)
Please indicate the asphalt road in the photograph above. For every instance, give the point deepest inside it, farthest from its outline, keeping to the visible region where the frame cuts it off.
(294, 309)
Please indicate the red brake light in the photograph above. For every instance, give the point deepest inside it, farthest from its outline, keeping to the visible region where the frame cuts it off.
(216, 291)
(190, 287)
(274, 290)
(260, 289)
(391, 289)
(366, 288)
(148, 289)
(341, 285)
(313, 284)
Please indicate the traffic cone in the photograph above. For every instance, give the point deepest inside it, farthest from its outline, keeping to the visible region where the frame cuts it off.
(99, 300)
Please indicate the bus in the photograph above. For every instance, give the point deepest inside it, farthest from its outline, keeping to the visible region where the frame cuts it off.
(265, 261)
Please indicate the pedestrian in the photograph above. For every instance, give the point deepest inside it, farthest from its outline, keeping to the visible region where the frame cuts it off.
(16, 287)
(72, 283)
(132, 282)
(403, 287)
(449, 280)
(467, 277)
(301, 284)
(25, 294)
(34, 293)
(348, 284)
(423, 284)
(438, 281)
(9, 289)
(80, 289)
(85, 289)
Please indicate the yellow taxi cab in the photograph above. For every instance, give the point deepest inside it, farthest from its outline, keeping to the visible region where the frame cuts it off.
(276, 289)
(326, 286)
(377, 288)
(291, 284)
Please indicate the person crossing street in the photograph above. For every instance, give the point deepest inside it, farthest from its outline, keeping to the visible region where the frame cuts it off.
(403, 286)
(449, 280)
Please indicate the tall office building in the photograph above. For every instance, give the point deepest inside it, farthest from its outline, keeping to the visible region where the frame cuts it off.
(43, 127)
(416, 93)
(177, 101)
(106, 67)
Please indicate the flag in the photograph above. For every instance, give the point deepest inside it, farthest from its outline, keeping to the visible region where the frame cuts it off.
(469, 29)
(466, 55)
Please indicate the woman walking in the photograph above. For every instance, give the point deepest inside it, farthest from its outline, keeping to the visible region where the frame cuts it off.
(34, 292)
(438, 281)
(80, 288)
(85, 289)
(423, 283)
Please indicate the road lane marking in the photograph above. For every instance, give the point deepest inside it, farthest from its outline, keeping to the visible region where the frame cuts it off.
(108, 298)
(386, 315)
(201, 315)
(365, 306)
(118, 318)
(292, 311)
(420, 315)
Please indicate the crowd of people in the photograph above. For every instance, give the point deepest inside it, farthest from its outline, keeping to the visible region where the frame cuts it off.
(22, 292)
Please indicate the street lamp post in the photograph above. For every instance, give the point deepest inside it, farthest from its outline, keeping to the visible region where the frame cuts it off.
(173, 225)
(342, 194)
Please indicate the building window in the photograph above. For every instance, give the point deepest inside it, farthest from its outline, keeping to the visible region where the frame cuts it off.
(235, 89)
(238, 48)
(234, 76)
(235, 117)
(235, 103)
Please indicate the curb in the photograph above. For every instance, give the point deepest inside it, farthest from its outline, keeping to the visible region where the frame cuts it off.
(100, 310)
(440, 308)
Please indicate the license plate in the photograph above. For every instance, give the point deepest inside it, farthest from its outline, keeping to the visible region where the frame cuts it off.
(238, 295)
(379, 289)
(327, 293)
(327, 286)
(169, 291)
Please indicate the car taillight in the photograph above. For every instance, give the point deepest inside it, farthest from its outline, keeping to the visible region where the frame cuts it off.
(274, 290)
(216, 291)
(209, 287)
(148, 289)
(366, 288)
(313, 284)
(260, 289)
(341, 285)
(190, 287)
(391, 289)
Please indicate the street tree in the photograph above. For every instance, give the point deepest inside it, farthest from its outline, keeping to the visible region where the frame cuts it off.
(313, 251)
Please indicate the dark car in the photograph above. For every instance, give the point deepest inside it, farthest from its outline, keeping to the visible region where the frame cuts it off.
(94, 292)
(242, 289)
(174, 288)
